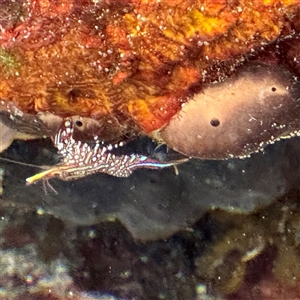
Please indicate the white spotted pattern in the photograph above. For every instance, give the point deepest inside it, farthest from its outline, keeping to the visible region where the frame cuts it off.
(81, 159)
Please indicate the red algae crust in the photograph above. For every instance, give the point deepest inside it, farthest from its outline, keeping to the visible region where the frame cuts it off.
(125, 62)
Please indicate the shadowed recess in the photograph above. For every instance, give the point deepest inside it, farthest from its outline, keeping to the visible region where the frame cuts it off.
(154, 204)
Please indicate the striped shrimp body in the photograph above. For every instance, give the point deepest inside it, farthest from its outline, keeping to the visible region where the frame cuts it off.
(81, 159)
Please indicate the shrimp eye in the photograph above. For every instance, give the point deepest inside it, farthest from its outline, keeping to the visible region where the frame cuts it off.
(78, 123)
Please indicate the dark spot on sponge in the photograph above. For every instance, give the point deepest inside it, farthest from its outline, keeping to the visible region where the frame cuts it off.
(214, 122)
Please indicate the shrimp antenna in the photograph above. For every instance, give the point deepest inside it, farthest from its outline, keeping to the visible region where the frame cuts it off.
(22, 163)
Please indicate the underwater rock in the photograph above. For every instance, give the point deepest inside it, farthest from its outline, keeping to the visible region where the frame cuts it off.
(154, 204)
(15, 119)
(24, 275)
(8, 135)
(254, 107)
(254, 256)
(15, 124)
(224, 264)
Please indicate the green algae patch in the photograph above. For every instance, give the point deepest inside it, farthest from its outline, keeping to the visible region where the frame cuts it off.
(9, 63)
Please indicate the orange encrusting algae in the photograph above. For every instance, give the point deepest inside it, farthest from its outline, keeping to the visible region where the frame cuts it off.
(134, 62)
